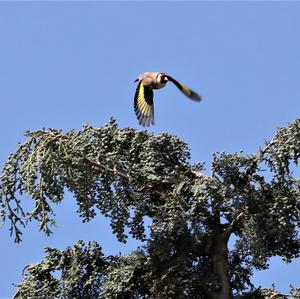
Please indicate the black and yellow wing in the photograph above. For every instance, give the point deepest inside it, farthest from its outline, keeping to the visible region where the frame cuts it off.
(143, 105)
(188, 92)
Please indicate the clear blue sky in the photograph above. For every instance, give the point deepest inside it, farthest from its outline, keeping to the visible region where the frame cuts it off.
(63, 64)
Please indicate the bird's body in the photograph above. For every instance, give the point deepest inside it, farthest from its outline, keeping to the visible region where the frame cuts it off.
(143, 100)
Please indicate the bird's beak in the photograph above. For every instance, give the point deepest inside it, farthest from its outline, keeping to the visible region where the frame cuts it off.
(135, 80)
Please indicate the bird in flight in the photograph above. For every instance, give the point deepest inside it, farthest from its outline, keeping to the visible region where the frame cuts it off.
(143, 99)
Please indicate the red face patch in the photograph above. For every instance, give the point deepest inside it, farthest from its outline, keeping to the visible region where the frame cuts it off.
(163, 77)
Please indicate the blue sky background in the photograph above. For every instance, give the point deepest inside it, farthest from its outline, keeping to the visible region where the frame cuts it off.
(63, 64)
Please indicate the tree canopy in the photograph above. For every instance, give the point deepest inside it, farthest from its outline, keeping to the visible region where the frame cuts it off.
(129, 176)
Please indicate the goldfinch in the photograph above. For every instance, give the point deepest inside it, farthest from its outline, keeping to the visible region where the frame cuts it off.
(143, 99)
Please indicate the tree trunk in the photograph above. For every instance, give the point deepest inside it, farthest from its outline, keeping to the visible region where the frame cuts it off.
(219, 255)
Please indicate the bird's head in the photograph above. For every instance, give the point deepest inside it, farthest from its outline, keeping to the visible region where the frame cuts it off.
(162, 78)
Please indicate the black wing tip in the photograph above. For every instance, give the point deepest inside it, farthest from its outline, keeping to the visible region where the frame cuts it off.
(194, 96)
(146, 121)
(143, 119)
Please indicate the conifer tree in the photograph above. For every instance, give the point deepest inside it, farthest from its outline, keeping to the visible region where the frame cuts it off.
(128, 175)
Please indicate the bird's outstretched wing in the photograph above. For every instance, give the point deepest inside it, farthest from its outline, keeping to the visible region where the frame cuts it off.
(188, 92)
(143, 105)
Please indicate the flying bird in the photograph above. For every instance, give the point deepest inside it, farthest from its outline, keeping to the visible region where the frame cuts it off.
(143, 99)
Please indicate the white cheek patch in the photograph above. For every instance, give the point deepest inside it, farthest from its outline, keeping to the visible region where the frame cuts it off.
(162, 78)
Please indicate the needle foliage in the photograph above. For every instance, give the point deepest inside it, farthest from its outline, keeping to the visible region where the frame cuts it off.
(128, 175)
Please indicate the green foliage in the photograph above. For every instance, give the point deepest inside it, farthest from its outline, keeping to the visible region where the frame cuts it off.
(82, 271)
(77, 272)
(128, 175)
(271, 293)
(107, 169)
(128, 277)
